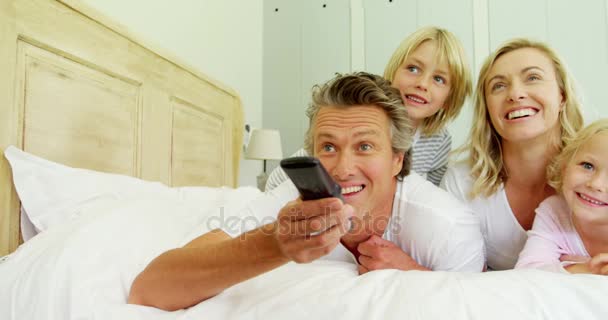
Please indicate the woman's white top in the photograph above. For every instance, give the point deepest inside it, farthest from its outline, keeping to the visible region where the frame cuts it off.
(504, 236)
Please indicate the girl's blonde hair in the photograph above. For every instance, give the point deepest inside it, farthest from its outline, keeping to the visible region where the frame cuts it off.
(484, 143)
(449, 49)
(556, 168)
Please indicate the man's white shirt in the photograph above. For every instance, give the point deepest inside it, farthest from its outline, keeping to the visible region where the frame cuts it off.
(430, 225)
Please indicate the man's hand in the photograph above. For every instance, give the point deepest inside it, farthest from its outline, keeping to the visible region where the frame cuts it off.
(377, 254)
(308, 230)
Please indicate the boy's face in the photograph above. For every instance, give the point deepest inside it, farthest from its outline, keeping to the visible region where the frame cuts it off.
(423, 82)
(585, 181)
(354, 146)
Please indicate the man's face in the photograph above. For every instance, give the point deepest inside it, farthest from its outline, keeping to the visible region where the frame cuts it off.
(354, 146)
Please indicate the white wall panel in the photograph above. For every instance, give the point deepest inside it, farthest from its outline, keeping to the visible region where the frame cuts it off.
(580, 38)
(282, 70)
(305, 43)
(456, 16)
(386, 25)
(326, 44)
(516, 18)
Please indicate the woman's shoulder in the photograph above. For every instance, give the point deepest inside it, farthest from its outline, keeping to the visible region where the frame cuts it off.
(457, 179)
(459, 172)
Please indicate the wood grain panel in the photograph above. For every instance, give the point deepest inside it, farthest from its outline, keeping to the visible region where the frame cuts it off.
(77, 115)
(9, 203)
(198, 146)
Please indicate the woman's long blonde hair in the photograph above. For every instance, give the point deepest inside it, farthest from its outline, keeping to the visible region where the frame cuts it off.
(484, 143)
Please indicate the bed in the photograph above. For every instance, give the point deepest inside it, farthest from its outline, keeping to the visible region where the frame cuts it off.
(116, 152)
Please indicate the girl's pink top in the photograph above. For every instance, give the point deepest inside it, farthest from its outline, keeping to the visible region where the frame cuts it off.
(552, 235)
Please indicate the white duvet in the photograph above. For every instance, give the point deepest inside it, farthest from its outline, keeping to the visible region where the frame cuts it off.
(83, 269)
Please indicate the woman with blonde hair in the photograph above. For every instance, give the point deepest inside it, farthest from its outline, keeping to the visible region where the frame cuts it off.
(525, 109)
(430, 70)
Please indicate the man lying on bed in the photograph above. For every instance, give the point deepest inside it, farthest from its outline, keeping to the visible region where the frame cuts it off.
(360, 131)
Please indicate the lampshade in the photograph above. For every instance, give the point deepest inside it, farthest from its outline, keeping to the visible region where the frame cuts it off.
(264, 144)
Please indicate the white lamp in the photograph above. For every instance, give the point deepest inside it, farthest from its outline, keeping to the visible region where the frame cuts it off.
(264, 144)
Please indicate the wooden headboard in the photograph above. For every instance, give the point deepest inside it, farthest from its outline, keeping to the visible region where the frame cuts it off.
(75, 88)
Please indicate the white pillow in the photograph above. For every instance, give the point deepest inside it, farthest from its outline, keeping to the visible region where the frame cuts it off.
(27, 227)
(50, 192)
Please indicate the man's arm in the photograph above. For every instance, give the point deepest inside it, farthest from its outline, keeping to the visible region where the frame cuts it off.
(183, 277)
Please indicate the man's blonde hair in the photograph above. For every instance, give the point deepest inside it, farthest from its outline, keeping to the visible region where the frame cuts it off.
(556, 169)
(484, 143)
(449, 49)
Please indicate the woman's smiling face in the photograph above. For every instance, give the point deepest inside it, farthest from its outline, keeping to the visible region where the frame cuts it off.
(523, 96)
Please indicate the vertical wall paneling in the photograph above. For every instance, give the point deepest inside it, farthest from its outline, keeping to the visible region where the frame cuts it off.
(357, 35)
(325, 42)
(605, 26)
(516, 18)
(580, 38)
(282, 71)
(386, 24)
(305, 43)
(481, 35)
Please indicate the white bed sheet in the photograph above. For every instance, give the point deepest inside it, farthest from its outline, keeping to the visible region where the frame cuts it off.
(83, 270)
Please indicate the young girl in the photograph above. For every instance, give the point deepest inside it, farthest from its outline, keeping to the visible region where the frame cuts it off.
(570, 231)
(430, 70)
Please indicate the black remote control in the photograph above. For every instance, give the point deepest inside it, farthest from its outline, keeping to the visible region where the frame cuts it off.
(311, 179)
